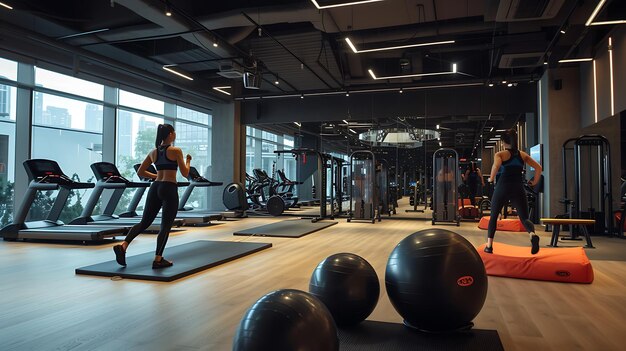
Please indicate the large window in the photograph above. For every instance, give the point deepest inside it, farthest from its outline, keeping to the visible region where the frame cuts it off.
(67, 84)
(194, 139)
(68, 131)
(136, 133)
(8, 70)
(250, 150)
(193, 116)
(260, 147)
(289, 161)
(68, 126)
(141, 102)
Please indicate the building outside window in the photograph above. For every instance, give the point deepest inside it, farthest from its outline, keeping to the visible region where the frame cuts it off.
(67, 128)
(8, 93)
(193, 136)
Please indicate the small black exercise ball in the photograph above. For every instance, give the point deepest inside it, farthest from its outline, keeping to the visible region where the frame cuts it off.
(436, 280)
(348, 285)
(287, 320)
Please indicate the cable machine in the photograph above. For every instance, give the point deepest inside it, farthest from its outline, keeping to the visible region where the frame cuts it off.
(592, 186)
(320, 176)
(364, 203)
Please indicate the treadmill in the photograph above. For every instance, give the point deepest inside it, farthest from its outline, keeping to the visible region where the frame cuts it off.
(109, 178)
(46, 175)
(188, 212)
(190, 219)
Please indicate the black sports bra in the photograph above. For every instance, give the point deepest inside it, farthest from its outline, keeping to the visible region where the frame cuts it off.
(162, 162)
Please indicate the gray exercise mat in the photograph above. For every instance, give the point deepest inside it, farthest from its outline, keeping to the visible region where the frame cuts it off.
(287, 229)
(371, 335)
(188, 259)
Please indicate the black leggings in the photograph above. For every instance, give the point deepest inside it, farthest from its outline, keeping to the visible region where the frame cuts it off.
(473, 190)
(161, 194)
(504, 192)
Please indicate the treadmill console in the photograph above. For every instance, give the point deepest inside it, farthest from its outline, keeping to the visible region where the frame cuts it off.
(195, 176)
(108, 172)
(150, 169)
(48, 171)
(45, 171)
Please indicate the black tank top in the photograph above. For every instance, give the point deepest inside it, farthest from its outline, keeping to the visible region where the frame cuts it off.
(473, 177)
(511, 169)
(162, 162)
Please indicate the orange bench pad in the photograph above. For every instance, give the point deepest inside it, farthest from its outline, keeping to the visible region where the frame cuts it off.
(568, 265)
(507, 224)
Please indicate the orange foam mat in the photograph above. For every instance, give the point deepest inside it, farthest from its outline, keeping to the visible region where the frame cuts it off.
(568, 265)
(507, 225)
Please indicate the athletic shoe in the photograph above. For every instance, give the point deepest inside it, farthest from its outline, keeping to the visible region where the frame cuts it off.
(488, 249)
(163, 263)
(534, 240)
(120, 255)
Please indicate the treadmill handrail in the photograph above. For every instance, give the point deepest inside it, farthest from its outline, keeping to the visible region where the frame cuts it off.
(43, 186)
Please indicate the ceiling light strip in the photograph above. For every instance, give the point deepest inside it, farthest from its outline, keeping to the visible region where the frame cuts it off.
(611, 75)
(410, 75)
(443, 86)
(605, 23)
(167, 68)
(83, 33)
(595, 93)
(595, 13)
(343, 4)
(583, 59)
(221, 89)
(357, 51)
(5, 5)
(280, 96)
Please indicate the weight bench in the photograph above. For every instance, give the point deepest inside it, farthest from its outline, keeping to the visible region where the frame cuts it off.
(556, 228)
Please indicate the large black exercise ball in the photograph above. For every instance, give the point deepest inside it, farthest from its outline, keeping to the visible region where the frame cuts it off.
(436, 280)
(348, 285)
(287, 320)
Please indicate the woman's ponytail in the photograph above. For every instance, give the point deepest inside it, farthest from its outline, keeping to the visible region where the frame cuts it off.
(510, 137)
(159, 137)
(163, 131)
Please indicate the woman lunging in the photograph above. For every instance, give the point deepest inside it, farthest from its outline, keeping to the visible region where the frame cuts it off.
(163, 193)
(508, 166)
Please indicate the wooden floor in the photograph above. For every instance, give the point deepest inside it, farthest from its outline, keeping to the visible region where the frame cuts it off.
(44, 306)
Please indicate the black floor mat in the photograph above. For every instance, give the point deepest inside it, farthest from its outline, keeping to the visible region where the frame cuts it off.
(188, 259)
(287, 229)
(381, 336)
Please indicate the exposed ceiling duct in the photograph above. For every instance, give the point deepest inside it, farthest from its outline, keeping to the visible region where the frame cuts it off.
(528, 10)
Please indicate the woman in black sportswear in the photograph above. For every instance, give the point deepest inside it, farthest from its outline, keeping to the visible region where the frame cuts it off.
(163, 193)
(473, 177)
(508, 166)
